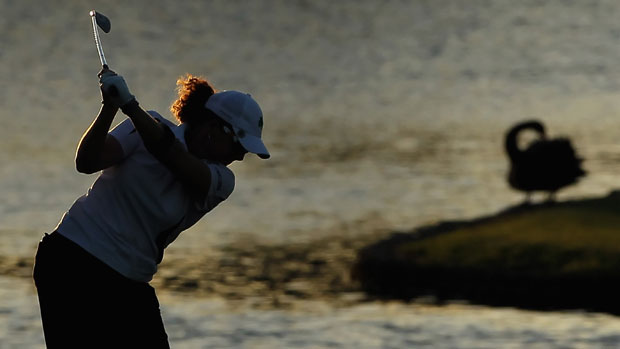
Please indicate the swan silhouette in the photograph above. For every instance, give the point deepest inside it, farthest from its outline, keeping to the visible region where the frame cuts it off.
(544, 165)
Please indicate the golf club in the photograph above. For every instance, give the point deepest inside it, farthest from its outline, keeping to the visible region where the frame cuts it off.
(102, 22)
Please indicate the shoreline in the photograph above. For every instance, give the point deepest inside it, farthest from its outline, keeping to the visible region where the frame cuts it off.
(342, 271)
(263, 276)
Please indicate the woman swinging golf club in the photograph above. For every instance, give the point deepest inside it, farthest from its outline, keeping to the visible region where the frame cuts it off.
(158, 179)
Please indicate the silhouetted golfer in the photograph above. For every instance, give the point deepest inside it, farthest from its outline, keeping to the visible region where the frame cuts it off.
(92, 273)
(544, 165)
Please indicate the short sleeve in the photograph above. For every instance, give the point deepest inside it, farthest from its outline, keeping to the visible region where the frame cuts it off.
(125, 133)
(222, 185)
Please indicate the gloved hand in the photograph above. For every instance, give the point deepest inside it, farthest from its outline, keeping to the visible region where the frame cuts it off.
(114, 89)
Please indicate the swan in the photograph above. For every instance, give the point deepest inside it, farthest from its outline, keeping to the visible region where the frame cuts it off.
(544, 165)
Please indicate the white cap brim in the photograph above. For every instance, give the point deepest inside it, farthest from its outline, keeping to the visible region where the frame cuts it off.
(255, 145)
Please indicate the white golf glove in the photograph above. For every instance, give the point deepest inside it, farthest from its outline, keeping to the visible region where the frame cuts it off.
(114, 89)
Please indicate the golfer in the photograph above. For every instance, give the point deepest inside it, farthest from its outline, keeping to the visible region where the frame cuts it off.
(92, 273)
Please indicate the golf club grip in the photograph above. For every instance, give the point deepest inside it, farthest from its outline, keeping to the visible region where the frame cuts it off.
(112, 90)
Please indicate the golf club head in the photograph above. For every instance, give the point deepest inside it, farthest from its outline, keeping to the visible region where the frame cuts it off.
(102, 21)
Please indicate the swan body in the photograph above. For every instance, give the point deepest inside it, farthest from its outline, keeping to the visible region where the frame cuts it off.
(544, 165)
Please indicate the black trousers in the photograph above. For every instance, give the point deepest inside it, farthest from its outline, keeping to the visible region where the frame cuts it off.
(86, 304)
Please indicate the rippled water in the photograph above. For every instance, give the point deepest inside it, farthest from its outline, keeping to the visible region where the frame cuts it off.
(379, 116)
(193, 324)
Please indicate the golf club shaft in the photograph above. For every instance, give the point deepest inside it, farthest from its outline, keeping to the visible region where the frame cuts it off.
(104, 63)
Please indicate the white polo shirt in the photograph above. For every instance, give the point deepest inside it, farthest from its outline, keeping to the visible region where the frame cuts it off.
(136, 208)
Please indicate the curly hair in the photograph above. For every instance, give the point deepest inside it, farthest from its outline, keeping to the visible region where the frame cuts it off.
(193, 94)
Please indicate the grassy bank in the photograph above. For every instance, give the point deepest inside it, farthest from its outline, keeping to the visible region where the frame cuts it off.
(547, 256)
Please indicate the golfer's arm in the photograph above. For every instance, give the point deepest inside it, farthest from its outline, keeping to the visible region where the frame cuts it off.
(97, 150)
(190, 170)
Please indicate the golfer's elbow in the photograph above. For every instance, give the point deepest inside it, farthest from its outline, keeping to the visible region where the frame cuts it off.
(85, 162)
(82, 165)
(85, 157)
(86, 170)
(89, 160)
